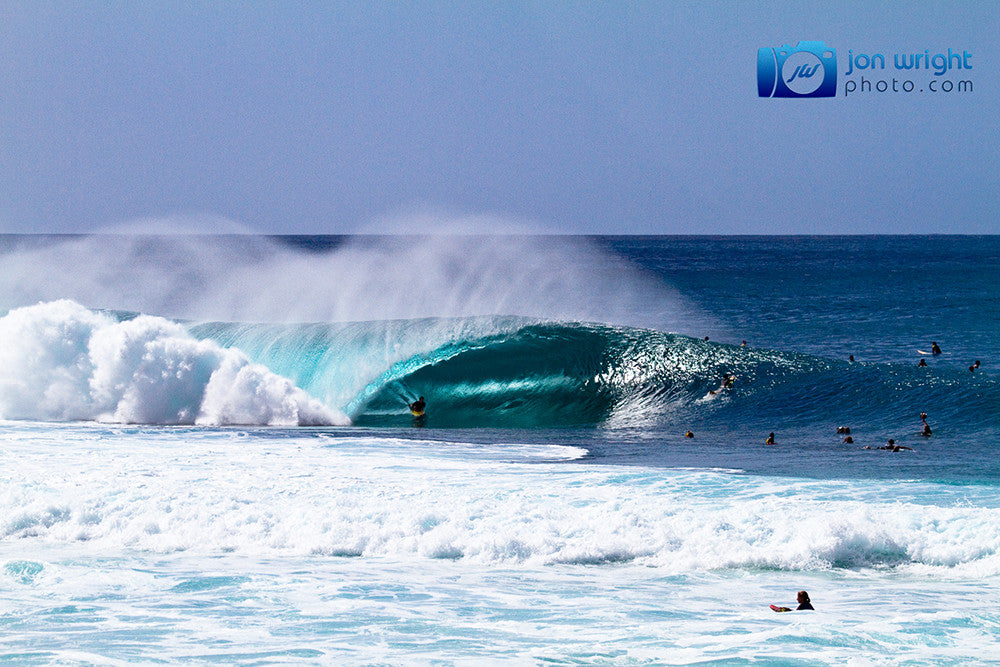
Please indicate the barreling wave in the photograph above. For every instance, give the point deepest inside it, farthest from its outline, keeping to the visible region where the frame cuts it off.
(61, 361)
(488, 371)
(518, 372)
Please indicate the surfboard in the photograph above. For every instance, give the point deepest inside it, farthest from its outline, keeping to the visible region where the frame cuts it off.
(777, 608)
(922, 352)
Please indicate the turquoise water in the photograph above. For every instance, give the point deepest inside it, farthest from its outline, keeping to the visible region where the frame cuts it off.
(193, 485)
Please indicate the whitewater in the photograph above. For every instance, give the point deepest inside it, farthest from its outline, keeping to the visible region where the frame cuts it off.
(207, 454)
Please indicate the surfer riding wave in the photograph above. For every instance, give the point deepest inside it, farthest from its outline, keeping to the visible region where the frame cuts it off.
(417, 407)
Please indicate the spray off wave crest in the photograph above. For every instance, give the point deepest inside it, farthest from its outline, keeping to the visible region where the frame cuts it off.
(61, 361)
(243, 278)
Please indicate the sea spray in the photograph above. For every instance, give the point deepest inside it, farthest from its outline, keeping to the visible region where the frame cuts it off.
(264, 279)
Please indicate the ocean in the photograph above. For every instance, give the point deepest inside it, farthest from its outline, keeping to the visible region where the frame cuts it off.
(208, 456)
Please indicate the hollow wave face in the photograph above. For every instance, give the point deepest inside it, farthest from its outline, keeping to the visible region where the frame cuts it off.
(519, 372)
(60, 361)
(505, 371)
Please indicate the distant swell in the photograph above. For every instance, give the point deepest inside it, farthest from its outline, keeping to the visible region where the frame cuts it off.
(61, 361)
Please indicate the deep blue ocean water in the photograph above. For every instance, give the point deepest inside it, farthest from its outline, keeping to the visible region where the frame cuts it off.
(208, 455)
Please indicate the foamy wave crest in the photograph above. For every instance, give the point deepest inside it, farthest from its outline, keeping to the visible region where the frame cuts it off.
(61, 361)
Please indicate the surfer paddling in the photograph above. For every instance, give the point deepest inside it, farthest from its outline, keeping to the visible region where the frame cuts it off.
(891, 446)
(804, 604)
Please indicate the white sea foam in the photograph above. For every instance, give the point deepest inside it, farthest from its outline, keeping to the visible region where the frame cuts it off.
(404, 500)
(61, 361)
(137, 544)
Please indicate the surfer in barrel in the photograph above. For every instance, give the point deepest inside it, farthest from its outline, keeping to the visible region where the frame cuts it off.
(417, 410)
(417, 407)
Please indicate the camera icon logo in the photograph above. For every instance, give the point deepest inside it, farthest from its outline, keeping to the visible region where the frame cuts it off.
(806, 70)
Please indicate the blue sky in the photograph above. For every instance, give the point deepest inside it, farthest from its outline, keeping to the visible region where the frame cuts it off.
(335, 117)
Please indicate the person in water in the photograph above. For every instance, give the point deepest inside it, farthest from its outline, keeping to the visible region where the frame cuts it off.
(417, 406)
(927, 427)
(770, 439)
(689, 434)
(923, 362)
(727, 383)
(804, 604)
(935, 350)
(849, 440)
(891, 446)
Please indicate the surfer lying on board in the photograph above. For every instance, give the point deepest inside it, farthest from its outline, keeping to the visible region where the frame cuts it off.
(803, 600)
(891, 446)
